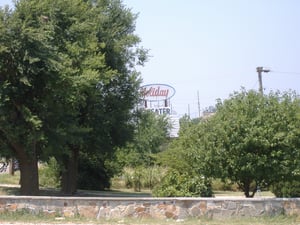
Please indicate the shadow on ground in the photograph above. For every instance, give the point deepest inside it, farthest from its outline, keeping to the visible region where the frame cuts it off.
(15, 190)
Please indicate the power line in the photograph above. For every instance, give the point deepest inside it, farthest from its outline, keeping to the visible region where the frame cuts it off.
(293, 73)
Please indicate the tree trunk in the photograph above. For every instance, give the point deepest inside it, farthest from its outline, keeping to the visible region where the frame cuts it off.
(11, 168)
(246, 189)
(29, 179)
(69, 174)
(28, 163)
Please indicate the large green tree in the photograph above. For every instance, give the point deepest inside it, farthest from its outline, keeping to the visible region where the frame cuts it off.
(258, 138)
(29, 80)
(67, 81)
(107, 108)
(252, 139)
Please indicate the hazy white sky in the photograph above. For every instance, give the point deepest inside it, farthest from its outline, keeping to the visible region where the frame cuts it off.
(214, 46)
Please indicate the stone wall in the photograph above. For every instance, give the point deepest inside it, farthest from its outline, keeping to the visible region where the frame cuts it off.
(159, 208)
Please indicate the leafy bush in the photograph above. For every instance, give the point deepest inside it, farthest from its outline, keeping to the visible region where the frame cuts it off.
(49, 174)
(175, 184)
(286, 189)
(92, 174)
(133, 178)
(152, 176)
(143, 177)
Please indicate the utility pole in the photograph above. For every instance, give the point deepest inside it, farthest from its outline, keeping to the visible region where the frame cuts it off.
(260, 70)
(198, 104)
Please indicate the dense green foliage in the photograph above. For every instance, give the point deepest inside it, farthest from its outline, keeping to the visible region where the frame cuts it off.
(286, 189)
(30, 77)
(150, 137)
(92, 167)
(188, 162)
(258, 138)
(68, 83)
(252, 140)
(177, 184)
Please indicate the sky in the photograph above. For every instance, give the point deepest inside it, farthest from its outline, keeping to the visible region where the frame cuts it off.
(211, 48)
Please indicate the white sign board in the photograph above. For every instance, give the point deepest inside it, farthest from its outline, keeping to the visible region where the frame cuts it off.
(162, 110)
(157, 92)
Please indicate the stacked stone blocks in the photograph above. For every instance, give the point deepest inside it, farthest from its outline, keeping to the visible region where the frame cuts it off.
(157, 208)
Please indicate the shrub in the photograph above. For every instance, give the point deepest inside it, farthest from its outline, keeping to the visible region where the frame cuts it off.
(176, 184)
(286, 189)
(49, 174)
(152, 176)
(92, 174)
(143, 177)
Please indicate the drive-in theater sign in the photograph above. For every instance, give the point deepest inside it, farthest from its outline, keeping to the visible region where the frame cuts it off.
(156, 97)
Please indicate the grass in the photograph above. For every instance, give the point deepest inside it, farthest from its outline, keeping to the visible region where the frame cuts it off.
(7, 190)
(115, 193)
(9, 185)
(25, 217)
(122, 192)
(8, 179)
(266, 194)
